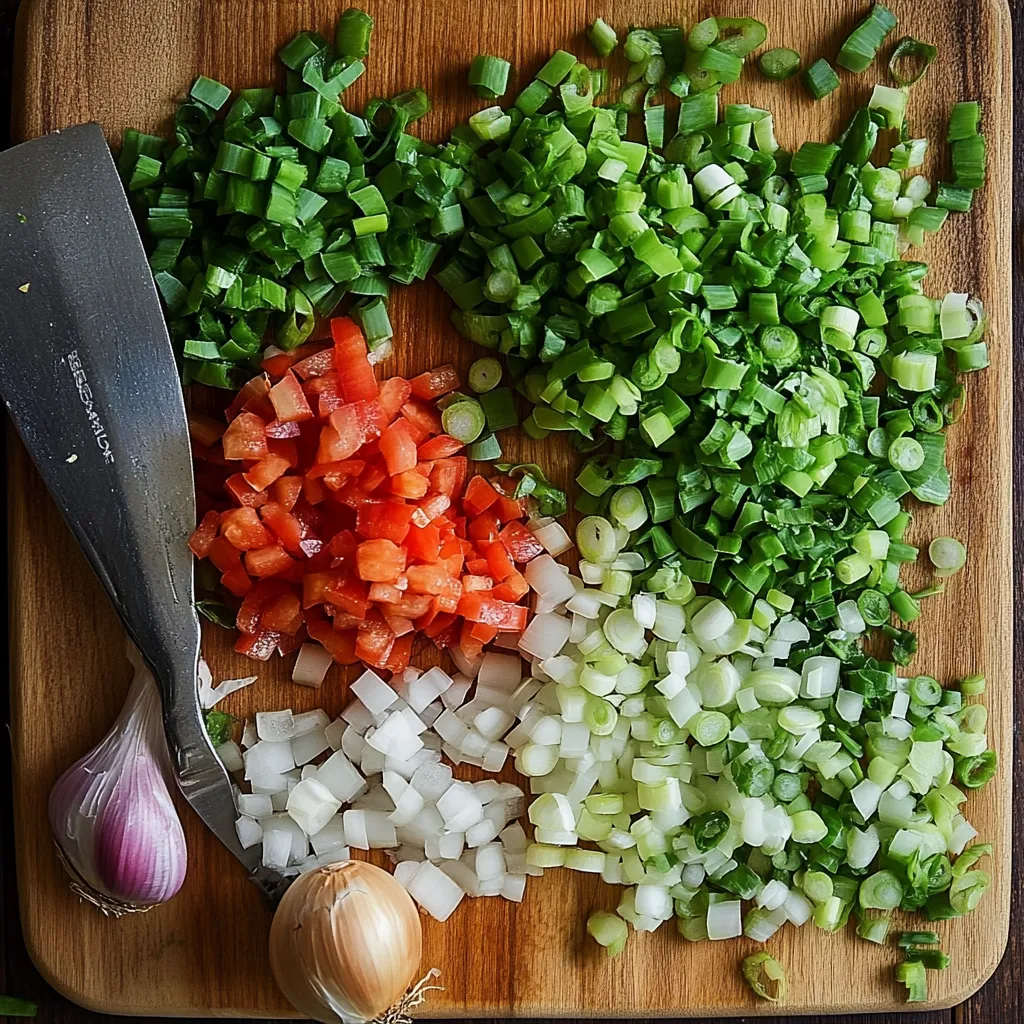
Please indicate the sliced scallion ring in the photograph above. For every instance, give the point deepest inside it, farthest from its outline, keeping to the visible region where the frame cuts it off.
(948, 555)
(464, 420)
(484, 374)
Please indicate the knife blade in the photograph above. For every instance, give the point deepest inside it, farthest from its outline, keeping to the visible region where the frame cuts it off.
(90, 382)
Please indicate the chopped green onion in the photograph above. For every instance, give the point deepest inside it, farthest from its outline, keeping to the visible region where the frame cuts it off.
(912, 975)
(821, 79)
(486, 449)
(948, 555)
(765, 976)
(484, 375)
(603, 37)
(489, 76)
(779, 63)
(463, 420)
(608, 930)
(911, 49)
(864, 42)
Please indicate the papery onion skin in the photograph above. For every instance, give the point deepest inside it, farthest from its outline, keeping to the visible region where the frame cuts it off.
(346, 942)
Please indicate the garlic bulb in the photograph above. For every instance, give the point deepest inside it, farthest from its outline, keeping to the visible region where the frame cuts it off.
(111, 812)
(346, 943)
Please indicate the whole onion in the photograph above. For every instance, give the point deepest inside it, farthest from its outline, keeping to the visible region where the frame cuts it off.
(346, 943)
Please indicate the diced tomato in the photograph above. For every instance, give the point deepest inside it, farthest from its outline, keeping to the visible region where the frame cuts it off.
(204, 429)
(374, 642)
(448, 636)
(436, 382)
(340, 644)
(289, 400)
(507, 509)
(388, 520)
(470, 646)
(410, 484)
(513, 588)
(479, 496)
(423, 416)
(224, 555)
(398, 448)
(243, 492)
(412, 606)
(503, 614)
(439, 624)
(259, 647)
(237, 582)
(430, 508)
(499, 561)
(521, 543)
(243, 528)
(483, 528)
(343, 544)
(448, 475)
(256, 388)
(245, 438)
(380, 561)
(267, 561)
(266, 471)
(329, 397)
(286, 491)
(400, 626)
(204, 535)
(385, 593)
(278, 429)
(482, 632)
(424, 543)
(314, 491)
(373, 478)
(427, 579)
(250, 612)
(354, 370)
(315, 365)
(440, 447)
(349, 593)
(478, 567)
(286, 448)
(350, 428)
(471, 583)
(284, 526)
(276, 362)
(401, 652)
(450, 595)
(282, 615)
(315, 586)
(394, 393)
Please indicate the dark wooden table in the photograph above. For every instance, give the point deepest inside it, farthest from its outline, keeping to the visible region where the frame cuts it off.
(1001, 1001)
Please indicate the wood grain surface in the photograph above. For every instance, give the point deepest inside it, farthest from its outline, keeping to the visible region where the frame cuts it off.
(205, 953)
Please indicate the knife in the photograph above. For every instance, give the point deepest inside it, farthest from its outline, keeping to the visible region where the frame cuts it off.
(90, 382)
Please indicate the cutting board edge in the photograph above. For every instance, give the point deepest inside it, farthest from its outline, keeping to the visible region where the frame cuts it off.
(26, 122)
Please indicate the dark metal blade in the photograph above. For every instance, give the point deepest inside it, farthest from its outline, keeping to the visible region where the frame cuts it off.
(89, 379)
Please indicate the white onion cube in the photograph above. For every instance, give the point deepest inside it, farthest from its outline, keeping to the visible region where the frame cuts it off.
(230, 755)
(275, 726)
(339, 775)
(435, 892)
(250, 831)
(546, 635)
(309, 745)
(373, 692)
(311, 805)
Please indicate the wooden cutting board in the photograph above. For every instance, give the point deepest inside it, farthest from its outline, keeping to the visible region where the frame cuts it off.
(125, 64)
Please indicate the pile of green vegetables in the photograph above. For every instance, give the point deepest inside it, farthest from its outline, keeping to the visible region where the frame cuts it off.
(263, 218)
